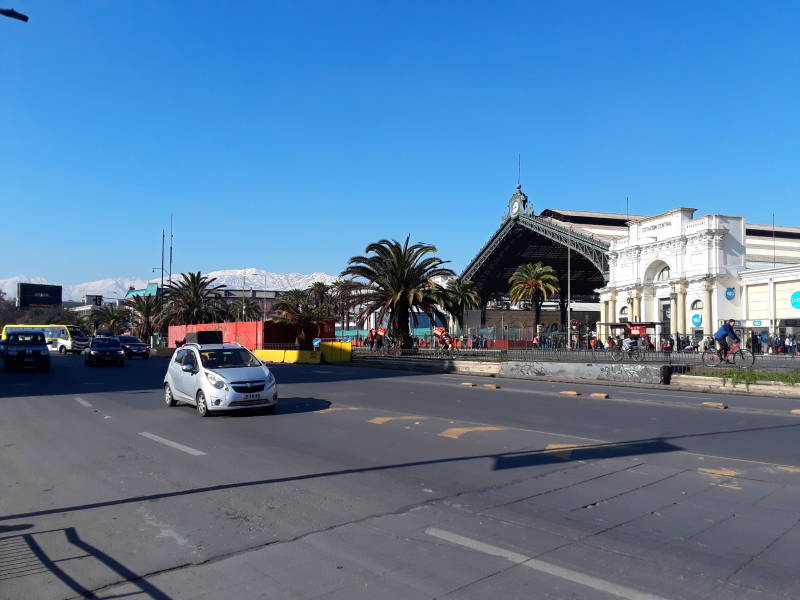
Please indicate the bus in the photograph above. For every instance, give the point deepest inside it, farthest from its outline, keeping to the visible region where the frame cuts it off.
(60, 338)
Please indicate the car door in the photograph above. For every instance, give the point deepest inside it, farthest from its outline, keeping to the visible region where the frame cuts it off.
(176, 374)
(189, 378)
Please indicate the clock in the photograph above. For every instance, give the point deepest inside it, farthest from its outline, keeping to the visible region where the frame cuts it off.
(515, 207)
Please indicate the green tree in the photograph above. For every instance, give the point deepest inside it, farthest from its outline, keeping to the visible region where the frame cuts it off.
(145, 314)
(296, 308)
(459, 296)
(112, 317)
(533, 283)
(395, 279)
(193, 299)
(244, 309)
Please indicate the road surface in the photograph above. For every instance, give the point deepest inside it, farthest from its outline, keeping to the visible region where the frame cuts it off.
(387, 484)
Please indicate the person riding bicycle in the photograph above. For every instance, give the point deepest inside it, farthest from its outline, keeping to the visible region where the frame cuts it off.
(721, 337)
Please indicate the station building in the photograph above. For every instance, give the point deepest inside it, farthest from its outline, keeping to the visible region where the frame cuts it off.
(685, 273)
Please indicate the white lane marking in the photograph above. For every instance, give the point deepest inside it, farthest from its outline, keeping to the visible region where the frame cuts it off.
(171, 444)
(595, 583)
(83, 402)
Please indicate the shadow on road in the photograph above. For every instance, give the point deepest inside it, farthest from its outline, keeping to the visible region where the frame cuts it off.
(24, 555)
(505, 460)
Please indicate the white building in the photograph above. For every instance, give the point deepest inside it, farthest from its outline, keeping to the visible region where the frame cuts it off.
(690, 274)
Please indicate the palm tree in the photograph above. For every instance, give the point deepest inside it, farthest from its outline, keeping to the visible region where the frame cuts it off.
(112, 317)
(194, 299)
(296, 308)
(460, 295)
(244, 309)
(145, 314)
(533, 282)
(396, 278)
(319, 294)
(342, 300)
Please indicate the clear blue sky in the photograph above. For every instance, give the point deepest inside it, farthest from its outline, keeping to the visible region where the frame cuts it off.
(287, 136)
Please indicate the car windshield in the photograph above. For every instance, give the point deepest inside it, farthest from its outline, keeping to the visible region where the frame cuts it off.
(228, 358)
(105, 343)
(129, 339)
(24, 339)
(77, 332)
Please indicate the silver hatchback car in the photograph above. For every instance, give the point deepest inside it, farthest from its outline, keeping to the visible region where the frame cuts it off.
(219, 377)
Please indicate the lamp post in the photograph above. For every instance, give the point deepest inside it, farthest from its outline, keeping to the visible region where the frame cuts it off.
(12, 14)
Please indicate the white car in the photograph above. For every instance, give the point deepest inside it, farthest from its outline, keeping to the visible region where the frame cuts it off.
(219, 377)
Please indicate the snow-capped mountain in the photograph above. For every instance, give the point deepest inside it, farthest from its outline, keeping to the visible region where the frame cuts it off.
(116, 287)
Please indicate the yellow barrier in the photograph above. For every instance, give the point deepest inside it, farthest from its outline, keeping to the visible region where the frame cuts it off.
(336, 351)
(329, 352)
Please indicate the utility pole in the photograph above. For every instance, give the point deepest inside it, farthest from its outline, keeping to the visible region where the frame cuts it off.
(163, 235)
(170, 249)
(569, 289)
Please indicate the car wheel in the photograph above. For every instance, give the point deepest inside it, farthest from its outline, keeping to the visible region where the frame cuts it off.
(169, 399)
(62, 350)
(202, 407)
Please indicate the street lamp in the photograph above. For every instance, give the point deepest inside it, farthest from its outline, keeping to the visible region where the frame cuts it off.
(12, 14)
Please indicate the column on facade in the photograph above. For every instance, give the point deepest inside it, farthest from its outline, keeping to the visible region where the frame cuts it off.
(773, 321)
(673, 311)
(708, 326)
(681, 316)
(612, 309)
(637, 306)
(602, 332)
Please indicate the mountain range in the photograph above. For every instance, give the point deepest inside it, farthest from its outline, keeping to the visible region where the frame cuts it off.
(116, 287)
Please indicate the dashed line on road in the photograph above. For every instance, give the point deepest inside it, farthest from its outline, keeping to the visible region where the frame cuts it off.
(720, 472)
(171, 444)
(382, 420)
(83, 402)
(456, 432)
(583, 579)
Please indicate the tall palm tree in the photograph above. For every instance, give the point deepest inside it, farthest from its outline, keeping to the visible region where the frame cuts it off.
(395, 278)
(533, 282)
(460, 295)
(244, 309)
(296, 308)
(319, 294)
(194, 299)
(112, 317)
(343, 301)
(145, 314)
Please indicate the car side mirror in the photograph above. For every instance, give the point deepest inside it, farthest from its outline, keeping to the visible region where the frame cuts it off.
(187, 368)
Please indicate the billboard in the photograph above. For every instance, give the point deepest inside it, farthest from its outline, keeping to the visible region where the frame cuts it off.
(37, 294)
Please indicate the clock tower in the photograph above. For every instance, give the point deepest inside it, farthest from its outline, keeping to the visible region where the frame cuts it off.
(518, 204)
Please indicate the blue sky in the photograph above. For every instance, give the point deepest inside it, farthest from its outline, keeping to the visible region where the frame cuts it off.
(286, 136)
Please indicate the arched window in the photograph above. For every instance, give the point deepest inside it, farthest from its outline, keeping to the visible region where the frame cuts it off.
(697, 305)
(663, 274)
(623, 311)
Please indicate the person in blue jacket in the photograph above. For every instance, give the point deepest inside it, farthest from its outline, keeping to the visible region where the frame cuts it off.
(721, 337)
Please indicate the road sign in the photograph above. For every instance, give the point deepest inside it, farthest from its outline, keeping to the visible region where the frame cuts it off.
(730, 293)
(697, 320)
(316, 342)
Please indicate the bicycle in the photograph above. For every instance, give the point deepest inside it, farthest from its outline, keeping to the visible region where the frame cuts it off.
(635, 353)
(736, 355)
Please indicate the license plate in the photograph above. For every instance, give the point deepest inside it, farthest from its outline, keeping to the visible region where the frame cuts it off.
(252, 396)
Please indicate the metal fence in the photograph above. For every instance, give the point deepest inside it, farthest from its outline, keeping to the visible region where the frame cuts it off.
(689, 359)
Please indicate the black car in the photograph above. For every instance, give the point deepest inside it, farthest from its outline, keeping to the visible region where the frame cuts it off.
(104, 351)
(23, 348)
(133, 346)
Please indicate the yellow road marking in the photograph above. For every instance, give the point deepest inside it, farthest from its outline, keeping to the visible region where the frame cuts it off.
(795, 411)
(715, 405)
(720, 472)
(335, 408)
(382, 420)
(468, 383)
(570, 393)
(730, 486)
(789, 469)
(599, 395)
(491, 386)
(561, 450)
(457, 432)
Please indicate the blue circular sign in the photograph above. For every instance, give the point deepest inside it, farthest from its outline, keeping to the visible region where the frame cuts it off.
(730, 293)
(697, 320)
(316, 342)
(795, 299)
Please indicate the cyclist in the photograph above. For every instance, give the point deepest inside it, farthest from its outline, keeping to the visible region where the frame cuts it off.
(721, 337)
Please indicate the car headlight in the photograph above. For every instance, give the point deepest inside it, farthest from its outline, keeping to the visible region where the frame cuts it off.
(215, 380)
(120, 351)
(270, 378)
(93, 352)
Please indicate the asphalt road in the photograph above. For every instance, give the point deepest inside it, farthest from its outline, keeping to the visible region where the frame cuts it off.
(387, 484)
